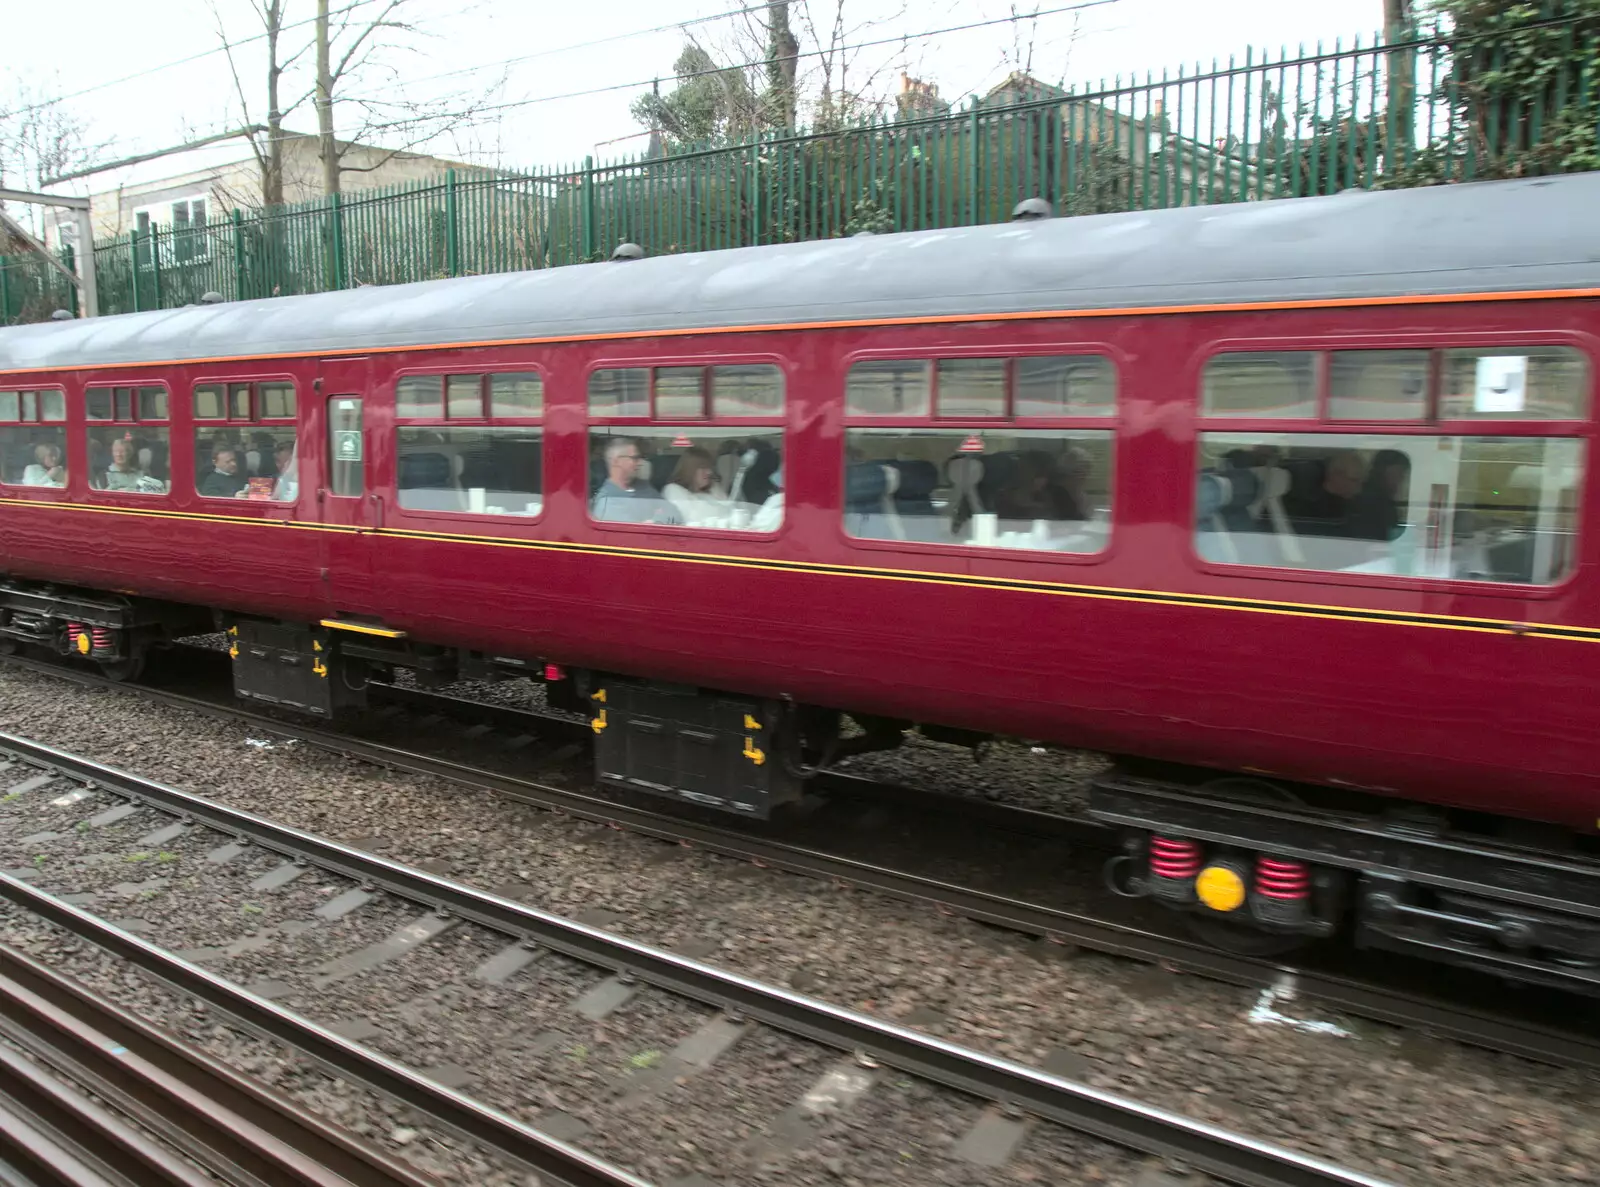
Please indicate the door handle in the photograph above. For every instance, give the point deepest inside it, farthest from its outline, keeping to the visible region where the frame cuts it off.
(377, 513)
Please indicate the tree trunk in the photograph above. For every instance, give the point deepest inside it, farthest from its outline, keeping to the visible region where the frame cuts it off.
(783, 53)
(1399, 26)
(329, 152)
(272, 168)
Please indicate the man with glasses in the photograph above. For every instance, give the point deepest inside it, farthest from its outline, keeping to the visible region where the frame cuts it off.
(622, 497)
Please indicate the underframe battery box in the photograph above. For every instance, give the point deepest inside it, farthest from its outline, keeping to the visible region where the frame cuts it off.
(705, 748)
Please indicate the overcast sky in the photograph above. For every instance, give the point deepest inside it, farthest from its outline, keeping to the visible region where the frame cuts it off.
(470, 41)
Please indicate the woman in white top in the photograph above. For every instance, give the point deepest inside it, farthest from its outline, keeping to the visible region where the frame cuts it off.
(46, 469)
(694, 489)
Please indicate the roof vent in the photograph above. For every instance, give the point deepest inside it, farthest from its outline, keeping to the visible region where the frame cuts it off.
(61, 315)
(212, 298)
(1029, 209)
(628, 251)
(862, 235)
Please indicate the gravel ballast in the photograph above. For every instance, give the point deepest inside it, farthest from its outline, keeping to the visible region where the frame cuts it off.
(1420, 1113)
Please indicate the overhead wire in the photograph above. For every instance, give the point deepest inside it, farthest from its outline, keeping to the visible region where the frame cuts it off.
(195, 57)
(817, 53)
(254, 37)
(745, 10)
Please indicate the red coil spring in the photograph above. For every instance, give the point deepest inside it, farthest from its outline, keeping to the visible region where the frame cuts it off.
(1279, 878)
(101, 638)
(1174, 858)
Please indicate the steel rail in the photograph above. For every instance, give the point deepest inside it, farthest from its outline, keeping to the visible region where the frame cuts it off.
(1447, 1020)
(226, 1122)
(50, 1133)
(473, 1120)
(1231, 1157)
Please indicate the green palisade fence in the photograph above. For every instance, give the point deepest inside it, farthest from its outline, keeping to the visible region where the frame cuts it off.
(31, 290)
(1311, 121)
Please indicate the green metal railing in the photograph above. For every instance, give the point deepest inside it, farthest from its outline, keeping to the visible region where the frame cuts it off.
(1304, 122)
(31, 290)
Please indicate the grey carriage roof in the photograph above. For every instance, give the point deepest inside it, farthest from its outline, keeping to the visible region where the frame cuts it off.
(1525, 235)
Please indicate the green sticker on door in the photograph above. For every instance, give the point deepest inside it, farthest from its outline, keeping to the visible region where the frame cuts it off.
(347, 445)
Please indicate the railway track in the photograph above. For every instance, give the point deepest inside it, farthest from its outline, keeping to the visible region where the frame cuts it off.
(120, 809)
(1468, 1022)
(91, 1094)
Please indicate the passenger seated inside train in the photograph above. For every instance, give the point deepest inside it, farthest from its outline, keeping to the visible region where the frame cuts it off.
(769, 516)
(1378, 511)
(712, 481)
(48, 468)
(224, 480)
(1499, 509)
(624, 497)
(286, 484)
(1318, 502)
(124, 472)
(694, 489)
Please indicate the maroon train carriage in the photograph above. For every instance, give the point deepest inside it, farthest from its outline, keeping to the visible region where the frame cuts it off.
(1295, 490)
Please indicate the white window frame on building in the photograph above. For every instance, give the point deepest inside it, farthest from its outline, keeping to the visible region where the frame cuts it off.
(176, 249)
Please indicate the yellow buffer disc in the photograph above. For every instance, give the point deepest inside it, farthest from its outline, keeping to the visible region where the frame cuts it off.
(1220, 888)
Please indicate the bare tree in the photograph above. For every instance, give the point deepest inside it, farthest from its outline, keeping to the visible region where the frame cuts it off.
(847, 84)
(361, 42)
(39, 138)
(267, 145)
(344, 60)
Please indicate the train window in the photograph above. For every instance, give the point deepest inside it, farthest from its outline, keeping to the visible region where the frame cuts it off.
(680, 393)
(481, 469)
(131, 458)
(132, 455)
(233, 461)
(463, 397)
(277, 401)
(1264, 385)
(33, 406)
(888, 387)
(207, 401)
(346, 463)
(1500, 509)
(240, 453)
(33, 451)
(477, 469)
(1039, 489)
(719, 477)
(1515, 383)
(972, 387)
(1378, 385)
(1065, 385)
(746, 389)
(516, 393)
(620, 391)
(419, 395)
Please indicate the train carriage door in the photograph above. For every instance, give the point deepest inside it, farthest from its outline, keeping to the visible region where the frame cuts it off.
(347, 505)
